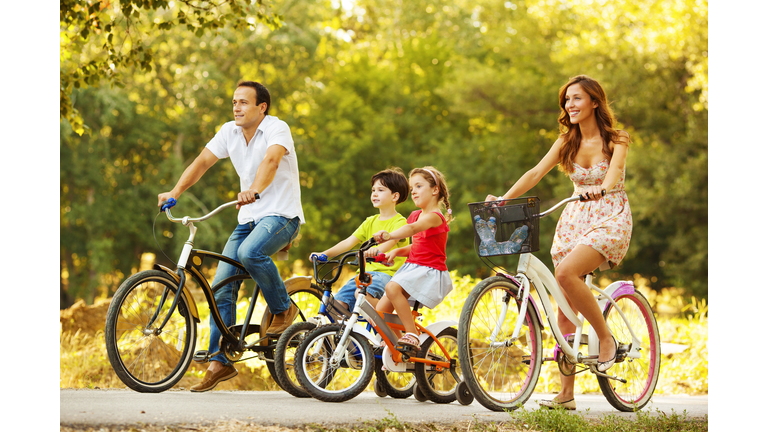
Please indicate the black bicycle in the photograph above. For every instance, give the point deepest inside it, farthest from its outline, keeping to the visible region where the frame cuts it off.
(151, 327)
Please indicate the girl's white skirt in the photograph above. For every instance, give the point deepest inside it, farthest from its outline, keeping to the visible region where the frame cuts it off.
(424, 284)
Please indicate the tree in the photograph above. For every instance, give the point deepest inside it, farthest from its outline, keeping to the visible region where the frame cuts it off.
(100, 38)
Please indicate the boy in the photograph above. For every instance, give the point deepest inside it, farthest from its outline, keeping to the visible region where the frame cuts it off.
(388, 188)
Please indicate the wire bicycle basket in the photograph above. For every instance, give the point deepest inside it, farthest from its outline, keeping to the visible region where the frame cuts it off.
(506, 227)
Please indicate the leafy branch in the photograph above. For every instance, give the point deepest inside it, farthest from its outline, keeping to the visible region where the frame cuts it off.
(100, 38)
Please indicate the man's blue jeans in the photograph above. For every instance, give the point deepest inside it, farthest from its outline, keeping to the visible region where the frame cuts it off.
(251, 244)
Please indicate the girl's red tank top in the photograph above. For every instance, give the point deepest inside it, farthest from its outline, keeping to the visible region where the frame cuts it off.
(428, 247)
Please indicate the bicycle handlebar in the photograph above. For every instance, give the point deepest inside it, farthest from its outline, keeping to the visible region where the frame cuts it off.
(323, 259)
(166, 207)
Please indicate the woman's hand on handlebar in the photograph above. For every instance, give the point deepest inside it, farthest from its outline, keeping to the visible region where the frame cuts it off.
(592, 193)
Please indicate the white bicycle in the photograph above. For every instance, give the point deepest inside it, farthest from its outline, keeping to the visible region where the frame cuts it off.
(500, 341)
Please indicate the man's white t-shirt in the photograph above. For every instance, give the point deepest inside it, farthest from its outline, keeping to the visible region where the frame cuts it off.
(283, 196)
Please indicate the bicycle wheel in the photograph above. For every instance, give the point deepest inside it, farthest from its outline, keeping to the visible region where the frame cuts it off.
(640, 373)
(285, 356)
(328, 382)
(308, 298)
(146, 358)
(501, 375)
(439, 386)
(397, 385)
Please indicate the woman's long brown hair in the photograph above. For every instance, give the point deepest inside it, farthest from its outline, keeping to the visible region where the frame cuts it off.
(571, 134)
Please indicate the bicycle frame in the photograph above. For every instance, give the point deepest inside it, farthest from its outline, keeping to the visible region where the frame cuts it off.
(530, 270)
(196, 257)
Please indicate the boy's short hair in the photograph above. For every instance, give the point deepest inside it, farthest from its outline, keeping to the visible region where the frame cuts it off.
(395, 180)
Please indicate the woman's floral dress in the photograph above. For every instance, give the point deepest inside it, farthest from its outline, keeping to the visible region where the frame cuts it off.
(605, 225)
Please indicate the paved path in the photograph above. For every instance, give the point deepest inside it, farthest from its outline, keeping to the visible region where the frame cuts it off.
(110, 407)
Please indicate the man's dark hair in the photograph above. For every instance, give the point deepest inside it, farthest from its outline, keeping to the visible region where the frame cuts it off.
(395, 180)
(262, 94)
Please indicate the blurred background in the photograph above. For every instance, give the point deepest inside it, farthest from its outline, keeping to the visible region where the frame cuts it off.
(470, 87)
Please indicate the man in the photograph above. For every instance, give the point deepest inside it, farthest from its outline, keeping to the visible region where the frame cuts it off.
(261, 149)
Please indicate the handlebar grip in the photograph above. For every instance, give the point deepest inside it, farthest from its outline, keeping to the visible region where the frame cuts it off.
(320, 258)
(581, 197)
(385, 236)
(168, 204)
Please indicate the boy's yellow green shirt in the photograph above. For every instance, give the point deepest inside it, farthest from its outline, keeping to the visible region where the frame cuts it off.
(373, 225)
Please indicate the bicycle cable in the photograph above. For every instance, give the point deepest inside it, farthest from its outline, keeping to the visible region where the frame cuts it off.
(157, 242)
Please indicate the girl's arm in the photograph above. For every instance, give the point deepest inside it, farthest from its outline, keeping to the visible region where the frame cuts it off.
(398, 252)
(425, 222)
(382, 248)
(534, 175)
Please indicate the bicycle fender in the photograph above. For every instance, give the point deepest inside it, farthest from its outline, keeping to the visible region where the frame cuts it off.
(375, 340)
(615, 290)
(184, 291)
(435, 329)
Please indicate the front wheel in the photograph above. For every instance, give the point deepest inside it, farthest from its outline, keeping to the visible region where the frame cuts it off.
(501, 372)
(145, 357)
(438, 383)
(330, 382)
(638, 365)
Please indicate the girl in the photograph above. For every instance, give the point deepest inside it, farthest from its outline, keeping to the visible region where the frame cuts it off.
(424, 276)
(589, 234)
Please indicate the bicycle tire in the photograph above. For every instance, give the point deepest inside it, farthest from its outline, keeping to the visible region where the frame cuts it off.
(641, 374)
(498, 386)
(285, 356)
(308, 300)
(144, 360)
(397, 385)
(329, 383)
(438, 386)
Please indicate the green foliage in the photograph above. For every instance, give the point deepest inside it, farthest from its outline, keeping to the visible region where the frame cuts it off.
(469, 87)
(99, 39)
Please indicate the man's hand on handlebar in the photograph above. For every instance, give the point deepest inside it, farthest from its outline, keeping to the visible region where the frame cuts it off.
(246, 197)
(165, 196)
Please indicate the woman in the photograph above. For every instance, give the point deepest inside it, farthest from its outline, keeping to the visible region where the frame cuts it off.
(593, 233)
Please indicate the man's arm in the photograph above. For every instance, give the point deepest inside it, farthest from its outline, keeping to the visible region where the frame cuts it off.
(264, 175)
(191, 175)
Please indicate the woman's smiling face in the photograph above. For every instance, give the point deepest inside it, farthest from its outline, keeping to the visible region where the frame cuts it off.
(579, 104)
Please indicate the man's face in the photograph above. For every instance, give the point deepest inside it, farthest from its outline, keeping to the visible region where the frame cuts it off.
(247, 113)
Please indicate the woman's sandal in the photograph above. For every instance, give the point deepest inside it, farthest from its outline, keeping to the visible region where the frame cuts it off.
(604, 366)
(569, 405)
(408, 342)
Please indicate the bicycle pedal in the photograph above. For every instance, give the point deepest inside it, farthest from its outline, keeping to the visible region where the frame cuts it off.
(201, 356)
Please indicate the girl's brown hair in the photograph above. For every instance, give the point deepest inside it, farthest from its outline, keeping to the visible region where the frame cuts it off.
(572, 135)
(436, 178)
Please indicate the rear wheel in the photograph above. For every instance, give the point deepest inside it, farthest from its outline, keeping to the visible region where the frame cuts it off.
(330, 382)
(501, 373)
(285, 358)
(145, 357)
(638, 365)
(397, 385)
(438, 383)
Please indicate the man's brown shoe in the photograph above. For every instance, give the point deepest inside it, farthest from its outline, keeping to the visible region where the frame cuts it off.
(210, 380)
(283, 320)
